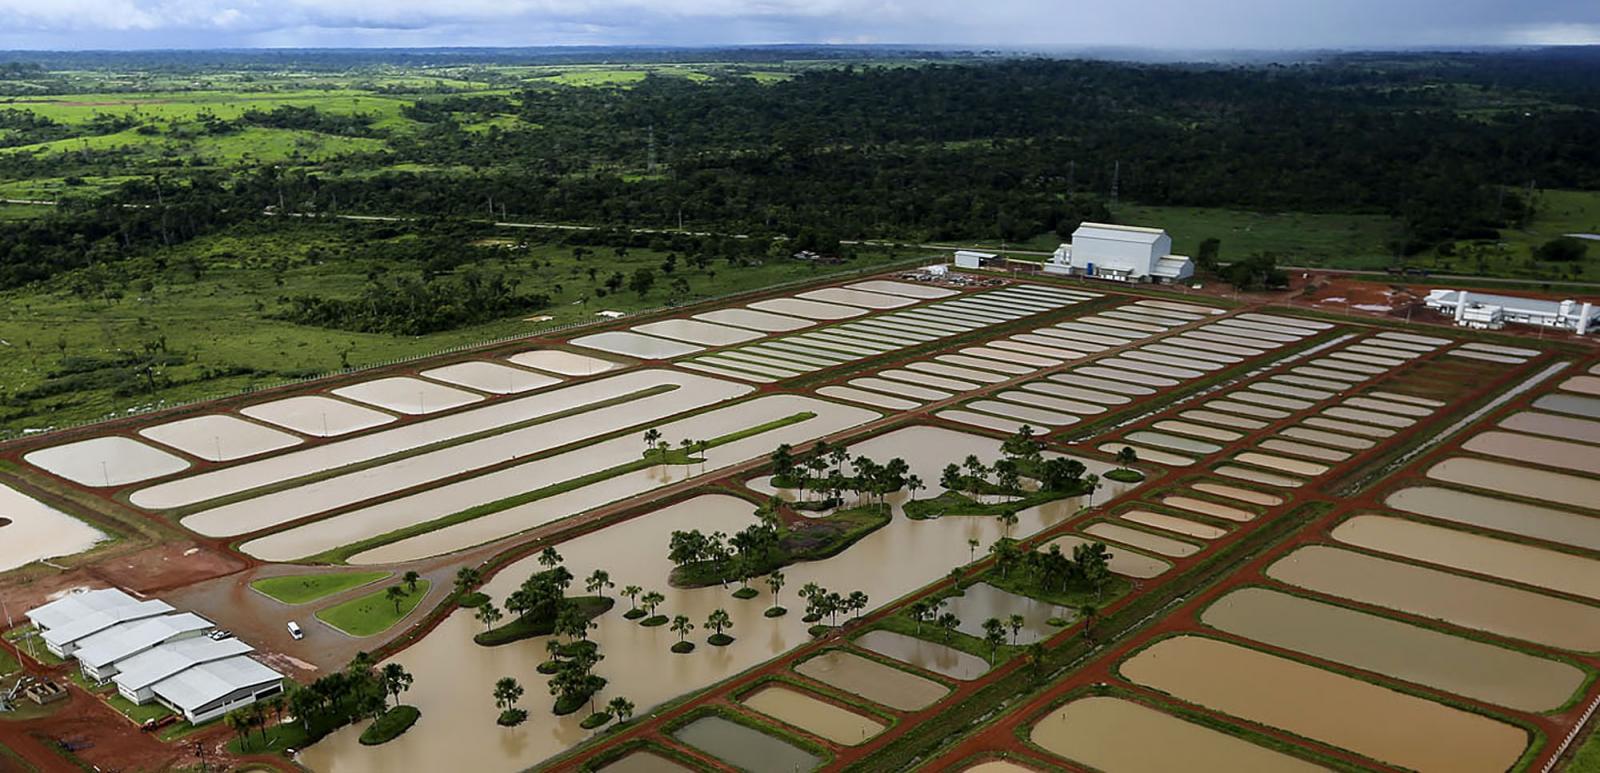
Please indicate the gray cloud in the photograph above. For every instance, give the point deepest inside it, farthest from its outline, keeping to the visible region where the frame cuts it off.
(1020, 23)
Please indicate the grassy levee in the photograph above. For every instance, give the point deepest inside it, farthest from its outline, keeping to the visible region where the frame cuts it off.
(374, 612)
(303, 588)
(954, 721)
(673, 456)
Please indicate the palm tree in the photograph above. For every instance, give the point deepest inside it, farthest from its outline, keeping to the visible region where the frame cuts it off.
(1092, 482)
(949, 622)
(411, 579)
(972, 549)
(651, 600)
(632, 593)
(718, 620)
(994, 634)
(1088, 612)
(1008, 519)
(651, 437)
(488, 615)
(681, 626)
(774, 584)
(506, 693)
(239, 722)
(395, 680)
(549, 558)
(1016, 622)
(395, 594)
(914, 484)
(857, 602)
(621, 708)
(467, 578)
(598, 581)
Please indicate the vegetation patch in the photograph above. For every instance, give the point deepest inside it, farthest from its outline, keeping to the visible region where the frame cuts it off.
(683, 647)
(1125, 475)
(529, 626)
(390, 726)
(704, 560)
(474, 600)
(305, 588)
(375, 612)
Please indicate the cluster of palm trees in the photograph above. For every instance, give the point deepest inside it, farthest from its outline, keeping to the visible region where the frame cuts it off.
(655, 444)
(823, 471)
(820, 603)
(360, 690)
(508, 692)
(396, 594)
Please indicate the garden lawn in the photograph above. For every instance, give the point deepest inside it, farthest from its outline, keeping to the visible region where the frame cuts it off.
(373, 613)
(302, 588)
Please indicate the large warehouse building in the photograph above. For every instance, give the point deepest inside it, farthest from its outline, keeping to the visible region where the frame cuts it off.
(154, 653)
(1120, 253)
(1492, 312)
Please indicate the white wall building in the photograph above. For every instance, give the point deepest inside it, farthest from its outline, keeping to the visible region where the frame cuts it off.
(138, 675)
(1121, 253)
(1492, 312)
(975, 259)
(67, 621)
(100, 655)
(153, 654)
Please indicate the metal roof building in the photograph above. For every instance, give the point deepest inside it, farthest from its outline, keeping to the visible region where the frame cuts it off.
(67, 621)
(1485, 310)
(100, 655)
(1122, 253)
(209, 690)
(139, 673)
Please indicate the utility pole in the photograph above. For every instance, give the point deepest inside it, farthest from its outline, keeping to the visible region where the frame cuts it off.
(1116, 179)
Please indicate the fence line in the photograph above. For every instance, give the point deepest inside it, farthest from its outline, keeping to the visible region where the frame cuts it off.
(1571, 735)
(542, 332)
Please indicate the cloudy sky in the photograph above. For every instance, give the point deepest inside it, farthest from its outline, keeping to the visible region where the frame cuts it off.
(1169, 24)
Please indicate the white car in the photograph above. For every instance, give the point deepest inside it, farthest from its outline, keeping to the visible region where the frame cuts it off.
(294, 630)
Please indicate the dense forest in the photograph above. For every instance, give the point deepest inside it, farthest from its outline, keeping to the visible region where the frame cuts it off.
(990, 149)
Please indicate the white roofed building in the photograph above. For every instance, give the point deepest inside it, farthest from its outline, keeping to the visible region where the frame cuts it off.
(209, 690)
(1492, 312)
(1121, 253)
(137, 676)
(67, 621)
(100, 655)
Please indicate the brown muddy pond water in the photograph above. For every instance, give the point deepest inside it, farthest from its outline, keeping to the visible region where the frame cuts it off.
(1257, 476)
(1333, 439)
(1520, 481)
(1365, 430)
(696, 332)
(562, 362)
(1377, 722)
(1142, 539)
(1124, 736)
(1023, 412)
(872, 680)
(1224, 419)
(1049, 402)
(1242, 494)
(635, 345)
(1573, 404)
(1280, 463)
(1189, 445)
(1537, 450)
(1173, 523)
(1401, 650)
(106, 461)
(755, 320)
(1209, 433)
(1301, 449)
(864, 397)
(1554, 426)
(1476, 553)
(955, 372)
(1534, 521)
(745, 747)
(1455, 599)
(1078, 378)
(980, 420)
(1370, 417)
(1148, 454)
(817, 717)
(1214, 509)
(645, 762)
(927, 655)
(1062, 390)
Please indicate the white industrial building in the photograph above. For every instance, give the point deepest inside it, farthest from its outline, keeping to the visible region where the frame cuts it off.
(154, 653)
(138, 675)
(976, 259)
(67, 621)
(1121, 253)
(1492, 312)
(100, 655)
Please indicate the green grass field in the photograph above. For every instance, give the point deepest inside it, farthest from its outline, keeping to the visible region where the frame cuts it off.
(303, 588)
(373, 613)
(222, 323)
